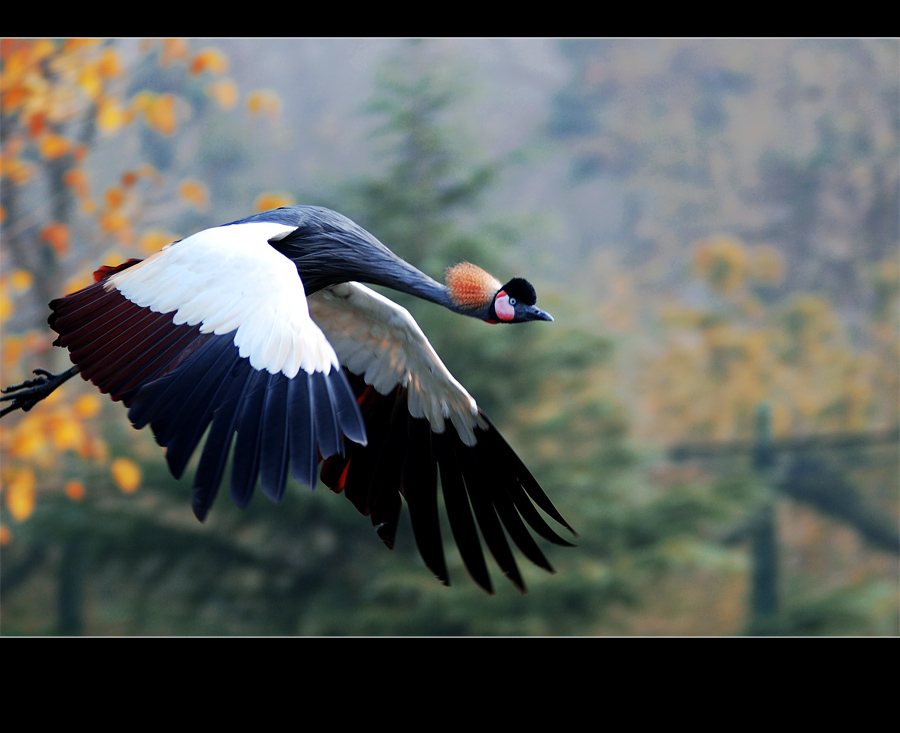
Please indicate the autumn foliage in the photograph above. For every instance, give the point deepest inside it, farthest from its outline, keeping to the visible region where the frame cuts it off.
(721, 236)
(63, 101)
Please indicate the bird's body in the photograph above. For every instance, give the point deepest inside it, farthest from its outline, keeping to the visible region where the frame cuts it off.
(261, 332)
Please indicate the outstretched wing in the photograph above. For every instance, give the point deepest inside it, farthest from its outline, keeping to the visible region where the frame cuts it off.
(214, 332)
(422, 423)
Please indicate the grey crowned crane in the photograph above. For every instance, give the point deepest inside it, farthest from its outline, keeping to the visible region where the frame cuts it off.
(260, 333)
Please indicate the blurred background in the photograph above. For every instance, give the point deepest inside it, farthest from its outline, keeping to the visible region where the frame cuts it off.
(712, 223)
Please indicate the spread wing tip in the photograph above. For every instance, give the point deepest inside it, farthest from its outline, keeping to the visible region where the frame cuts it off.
(490, 499)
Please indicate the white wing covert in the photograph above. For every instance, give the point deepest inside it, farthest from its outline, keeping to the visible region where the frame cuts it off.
(380, 341)
(213, 332)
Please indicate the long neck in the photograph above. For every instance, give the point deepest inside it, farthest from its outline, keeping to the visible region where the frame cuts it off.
(399, 275)
(355, 255)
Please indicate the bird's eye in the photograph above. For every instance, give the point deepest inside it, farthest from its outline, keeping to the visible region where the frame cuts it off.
(512, 301)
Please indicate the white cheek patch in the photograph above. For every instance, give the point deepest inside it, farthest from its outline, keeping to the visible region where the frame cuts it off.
(505, 312)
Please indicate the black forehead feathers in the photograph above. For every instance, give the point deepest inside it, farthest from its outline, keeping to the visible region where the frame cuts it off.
(522, 290)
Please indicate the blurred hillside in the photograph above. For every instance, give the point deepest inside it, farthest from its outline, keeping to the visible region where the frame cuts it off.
(713, 225)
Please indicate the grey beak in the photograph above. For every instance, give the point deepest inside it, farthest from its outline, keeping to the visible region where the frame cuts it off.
(536, 314)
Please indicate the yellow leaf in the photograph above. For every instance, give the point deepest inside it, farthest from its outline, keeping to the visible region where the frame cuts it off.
(79, 281)
(195, 193)
(159, 112)
(264, 102)
(127, 474)
(142, 101)
(6, 305)
(90, 82)
(113, 221)
(29, 439)
(68, 433)
(13, 348)
(5, 535)
(20, 494)
(225, 92)
(111, 115)
(42, 49)
(153, 241)
(87, 405)
(21, 280)
(52, 146)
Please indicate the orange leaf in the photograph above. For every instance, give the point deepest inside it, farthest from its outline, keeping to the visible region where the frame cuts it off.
(264, 102)
(36, 124)
(71, 45)
(76, 179)
(15, 169)
(109, 65)
(75, 490)
(173, 48)
(127, 474)
(14, 96)
(209, 59)
(58, 237)
(272, 200)
(129, 178)
(114, 198)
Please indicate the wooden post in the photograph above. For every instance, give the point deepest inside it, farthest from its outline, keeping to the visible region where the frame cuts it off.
(764, 534)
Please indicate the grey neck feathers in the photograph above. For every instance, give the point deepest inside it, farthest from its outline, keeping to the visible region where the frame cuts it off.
(333, 249)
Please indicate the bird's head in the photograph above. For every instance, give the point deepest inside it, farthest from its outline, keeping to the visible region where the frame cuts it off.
(478, 293)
